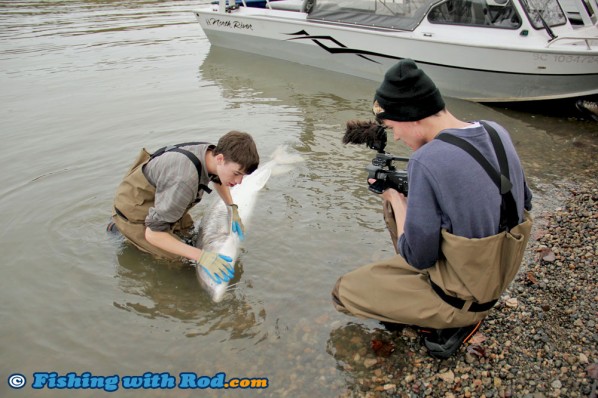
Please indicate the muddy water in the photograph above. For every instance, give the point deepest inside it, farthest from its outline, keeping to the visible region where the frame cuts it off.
(85, 85)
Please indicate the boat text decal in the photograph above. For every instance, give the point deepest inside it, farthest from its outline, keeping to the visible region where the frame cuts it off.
(227, 23)
(339, 47)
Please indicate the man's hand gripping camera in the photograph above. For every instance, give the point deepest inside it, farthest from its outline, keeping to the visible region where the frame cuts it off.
(382, 170)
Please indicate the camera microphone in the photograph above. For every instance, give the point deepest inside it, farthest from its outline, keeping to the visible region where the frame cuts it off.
(365, 132)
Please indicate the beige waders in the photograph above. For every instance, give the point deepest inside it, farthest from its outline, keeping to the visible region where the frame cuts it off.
(473, 275)
(134, 197)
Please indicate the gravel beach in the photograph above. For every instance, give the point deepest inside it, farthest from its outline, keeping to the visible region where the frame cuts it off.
(539, 341)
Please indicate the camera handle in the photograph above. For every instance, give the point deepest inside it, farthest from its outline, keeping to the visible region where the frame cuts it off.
(384, 159)
(377, 187)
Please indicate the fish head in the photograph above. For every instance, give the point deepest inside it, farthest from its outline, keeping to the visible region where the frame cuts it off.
(256, 180)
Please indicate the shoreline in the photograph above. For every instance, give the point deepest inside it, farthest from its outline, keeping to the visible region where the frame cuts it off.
(539, 341)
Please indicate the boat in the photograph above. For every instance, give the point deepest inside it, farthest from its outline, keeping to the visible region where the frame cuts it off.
(478, 50)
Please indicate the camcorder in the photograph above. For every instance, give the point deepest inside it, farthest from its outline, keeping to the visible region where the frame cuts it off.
(382, 169)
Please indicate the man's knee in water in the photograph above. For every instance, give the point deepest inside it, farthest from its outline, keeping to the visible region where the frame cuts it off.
(336, 301)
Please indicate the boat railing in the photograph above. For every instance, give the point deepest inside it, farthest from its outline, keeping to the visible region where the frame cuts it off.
(587, 40)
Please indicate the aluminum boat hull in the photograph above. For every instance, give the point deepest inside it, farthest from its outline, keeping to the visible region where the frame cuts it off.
(458, 60)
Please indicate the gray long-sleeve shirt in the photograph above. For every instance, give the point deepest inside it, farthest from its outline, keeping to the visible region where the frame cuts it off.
(176, 180)
(448, 189)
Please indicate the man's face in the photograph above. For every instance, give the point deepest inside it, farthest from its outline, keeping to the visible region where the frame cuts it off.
(406, 132)
(229, 173)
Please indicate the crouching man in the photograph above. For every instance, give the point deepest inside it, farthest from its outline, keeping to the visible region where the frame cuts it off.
(461, 232)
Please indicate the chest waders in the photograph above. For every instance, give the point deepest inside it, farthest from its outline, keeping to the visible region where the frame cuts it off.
(135, 196)
(462, 287)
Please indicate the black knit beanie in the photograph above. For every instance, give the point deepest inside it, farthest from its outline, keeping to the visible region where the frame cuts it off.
(407, 94)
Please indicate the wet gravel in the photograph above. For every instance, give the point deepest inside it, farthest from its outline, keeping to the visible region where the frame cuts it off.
(539, 341)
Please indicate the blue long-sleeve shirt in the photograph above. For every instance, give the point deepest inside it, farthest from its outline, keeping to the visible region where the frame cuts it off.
(448, 189)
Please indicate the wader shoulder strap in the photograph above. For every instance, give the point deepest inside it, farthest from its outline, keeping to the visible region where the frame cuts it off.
(499, 149)
(171, 147)
(508, 205)
(508, 208)
(191, 156)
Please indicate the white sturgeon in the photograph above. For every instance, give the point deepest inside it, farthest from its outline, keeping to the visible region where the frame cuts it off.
(215, 233)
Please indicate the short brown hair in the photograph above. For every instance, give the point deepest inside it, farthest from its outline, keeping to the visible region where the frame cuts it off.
(239, 147)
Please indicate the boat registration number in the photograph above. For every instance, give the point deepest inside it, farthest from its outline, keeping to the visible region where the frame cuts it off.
(566, 59)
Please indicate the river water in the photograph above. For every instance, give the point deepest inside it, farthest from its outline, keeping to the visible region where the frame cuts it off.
(85, 85)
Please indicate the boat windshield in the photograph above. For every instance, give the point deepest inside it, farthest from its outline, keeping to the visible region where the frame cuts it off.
(489, 13)
(392, 14)
(582, 12)
(543, 13)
